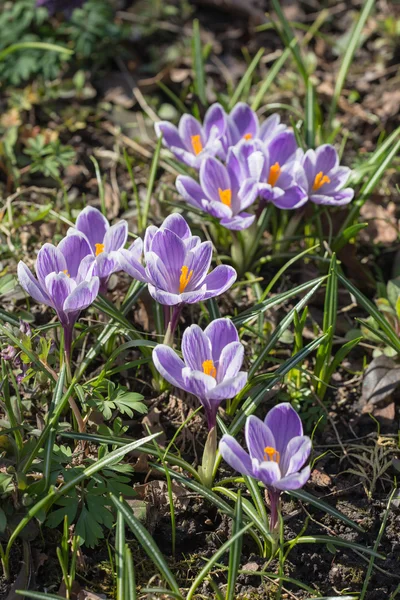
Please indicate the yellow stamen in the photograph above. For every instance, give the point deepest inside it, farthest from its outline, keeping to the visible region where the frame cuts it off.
(320, 180)
(66, 272)
(184, 279)
(274, 173)
(196, 144)
(248, 136)
(225, 196)
(209, 369)
(270, 454)
(99, 249)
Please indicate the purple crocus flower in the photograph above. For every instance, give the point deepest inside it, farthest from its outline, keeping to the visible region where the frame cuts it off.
(101, 241)
(274, 167)
(66, 6)
(277, 452)
(211, 366)
(65, 281)
(323, 179)
(220, 193)
(191, 142)
(243, 124)
(175, 264)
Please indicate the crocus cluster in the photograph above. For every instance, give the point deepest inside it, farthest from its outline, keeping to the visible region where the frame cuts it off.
(240, 161)
(277, 453)
(174, 263)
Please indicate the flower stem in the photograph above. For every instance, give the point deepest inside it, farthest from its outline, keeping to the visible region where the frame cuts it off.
(274, 509)
(169, 335)
(73, 405)
(207, 466)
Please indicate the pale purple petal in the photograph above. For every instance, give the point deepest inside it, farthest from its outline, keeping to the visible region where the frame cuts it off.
(271, 128)
(130, 261)
(285, 424)
(82, 296)
(237, 458)
(229, 388)
(193, 297)
(177, 224)
(216, 209)
(107, 263)
(336, 199)
(169, 365)
(214, 177)
(31, 286)
(93, 224)
(190, 190)
(158, 274)
(49, 260)
(294, 481)
(221, 332)
(197, 383)
(214, 122)
(247, 194)
(148, 238)
(238, 222)
(245, 119)
(326, 158)
(296, 454)
(59, 286)
(171, 137)
(87, 268)
(162, 297)
(116, 237)
(189, 127)
(198, 261)
(337, 180)
(258, 437)
(282, 148)
(230, 361)
(292, 198)
(267, 472)
(196, 347)
(75, 248)
(219, 280)
(172, 251)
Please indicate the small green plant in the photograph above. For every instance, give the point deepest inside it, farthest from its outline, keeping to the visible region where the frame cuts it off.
(48, 158)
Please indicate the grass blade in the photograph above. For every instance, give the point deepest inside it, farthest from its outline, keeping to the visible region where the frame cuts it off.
(150, 187)
(336, 541)
(273, 73)
(327, 508)
(354, 42)
(120, 556)
(130, 581)
(290, 39)
(245, 79)
(235, 551)
(198, 64)
(146, 541)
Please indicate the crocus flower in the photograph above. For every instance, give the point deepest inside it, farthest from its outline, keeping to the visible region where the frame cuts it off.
(191, 142)
(210, 369)
(220, 193)
(66, 6)
(243, 125)
(175, 264)
(323, 179)
(274, 167)
(65, 281)
(277, 452)
(101, 241)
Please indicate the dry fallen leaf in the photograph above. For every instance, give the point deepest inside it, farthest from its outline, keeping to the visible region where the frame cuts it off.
(383, 227)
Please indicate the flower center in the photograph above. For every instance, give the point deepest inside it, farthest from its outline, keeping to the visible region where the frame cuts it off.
(99, 248)
(209, 369)
(319, 181)
(184, 279)
(274, 172)
(66, 273)
(270, 454)
(225, 196)
(248, 136)
(196, 144)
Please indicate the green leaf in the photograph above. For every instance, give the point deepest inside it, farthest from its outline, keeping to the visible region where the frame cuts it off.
(235, 551)
(3, 521)
(336, 541)
(146, 541)
(198, 65)
(327, 508)
(246, 79)
(290, 40)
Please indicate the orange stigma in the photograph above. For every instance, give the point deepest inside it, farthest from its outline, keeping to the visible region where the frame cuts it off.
(184, 279)
(225, 196)
(196, 144)
(99, 249)
(319, 181)
(274, 173)
(209, 369)
(66, 273)
(248, 136)
(270, 454)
